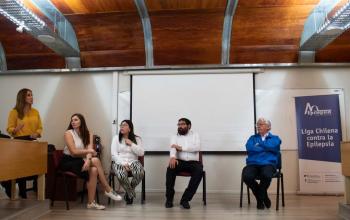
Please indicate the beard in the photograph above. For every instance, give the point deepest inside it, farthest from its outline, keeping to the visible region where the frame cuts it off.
(182, 131)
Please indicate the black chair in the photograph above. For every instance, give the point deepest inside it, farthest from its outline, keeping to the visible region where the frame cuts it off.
(143, 183)
(278, 175)
(187, 174)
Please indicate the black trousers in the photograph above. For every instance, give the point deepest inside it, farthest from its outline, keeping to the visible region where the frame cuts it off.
(195, 168)
(264, 173)
(22, 186)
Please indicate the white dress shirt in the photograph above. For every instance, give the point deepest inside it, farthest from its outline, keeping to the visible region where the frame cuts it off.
(190, 144)
(125, 154)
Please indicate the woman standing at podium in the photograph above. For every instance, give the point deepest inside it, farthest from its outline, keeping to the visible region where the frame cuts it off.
(24, 123)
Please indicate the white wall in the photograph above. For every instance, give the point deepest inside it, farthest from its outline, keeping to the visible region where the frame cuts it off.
(57, 96)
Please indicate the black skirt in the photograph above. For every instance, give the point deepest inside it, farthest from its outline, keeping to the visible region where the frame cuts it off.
(74, 165)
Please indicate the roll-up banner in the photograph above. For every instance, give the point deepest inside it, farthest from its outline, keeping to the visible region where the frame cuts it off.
(319, 136)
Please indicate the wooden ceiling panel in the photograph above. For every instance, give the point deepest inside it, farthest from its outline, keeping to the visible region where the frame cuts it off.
(108, 31)
(271, 34)
(337, 51)
(34, 61)
(276, 3)
(187, 32)
(156, 5)
(94, 6)
(113, 58)
(187, 36)
(109, 39)
(264, 54)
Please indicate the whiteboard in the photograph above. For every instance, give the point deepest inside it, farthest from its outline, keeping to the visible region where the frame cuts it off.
(220, 106)
(278, 105)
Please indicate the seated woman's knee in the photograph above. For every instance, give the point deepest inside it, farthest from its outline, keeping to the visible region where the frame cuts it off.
(95, 160)
(93, 171)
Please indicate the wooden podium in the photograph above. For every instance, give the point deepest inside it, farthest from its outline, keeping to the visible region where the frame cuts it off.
(20, 158)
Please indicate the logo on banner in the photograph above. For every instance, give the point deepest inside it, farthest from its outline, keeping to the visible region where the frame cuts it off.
(314, 110)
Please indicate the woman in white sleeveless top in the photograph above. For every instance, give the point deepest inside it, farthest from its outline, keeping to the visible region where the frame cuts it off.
(79, 159)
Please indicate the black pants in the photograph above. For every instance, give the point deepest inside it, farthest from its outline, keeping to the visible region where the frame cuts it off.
(264, 173)
(195, 168)
(22, 186)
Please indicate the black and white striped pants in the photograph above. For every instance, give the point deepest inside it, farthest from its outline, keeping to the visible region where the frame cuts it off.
(137, 173)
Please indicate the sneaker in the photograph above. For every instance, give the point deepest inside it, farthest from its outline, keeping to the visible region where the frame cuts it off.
(94, 205)
(113, 195)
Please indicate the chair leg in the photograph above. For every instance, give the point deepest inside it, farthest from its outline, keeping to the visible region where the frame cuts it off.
(111, 183)
(282, 187)
(83, 192)
(248, 193)
(53, 191)
(241, 194)
(143, 190)
(65, 191)
(278, 193)
(204, 188)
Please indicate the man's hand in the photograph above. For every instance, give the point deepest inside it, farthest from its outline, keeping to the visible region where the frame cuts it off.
(177, 147)
(173, 162)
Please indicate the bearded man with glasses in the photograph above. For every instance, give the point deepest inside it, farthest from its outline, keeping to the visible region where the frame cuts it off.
(184, 156)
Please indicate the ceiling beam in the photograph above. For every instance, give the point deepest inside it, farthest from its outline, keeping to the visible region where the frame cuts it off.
(231, 6)
(147, 31)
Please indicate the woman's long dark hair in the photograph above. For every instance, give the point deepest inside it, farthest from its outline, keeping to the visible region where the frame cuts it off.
(131, 135)
(21, 102)
(84, 133)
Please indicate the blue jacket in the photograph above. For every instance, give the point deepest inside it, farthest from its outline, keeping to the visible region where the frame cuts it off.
(263, 152)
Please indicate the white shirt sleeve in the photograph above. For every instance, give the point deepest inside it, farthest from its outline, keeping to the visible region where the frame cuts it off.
(194, 145)
(137, 148)
(172, 150)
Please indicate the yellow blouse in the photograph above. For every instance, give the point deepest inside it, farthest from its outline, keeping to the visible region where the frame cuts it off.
(31, 121)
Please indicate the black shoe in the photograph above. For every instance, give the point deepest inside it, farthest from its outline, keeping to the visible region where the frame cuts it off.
(267, 202)
(23, 195)
(260, 205)
(169, 204)
(128, 200)
(185, 204)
